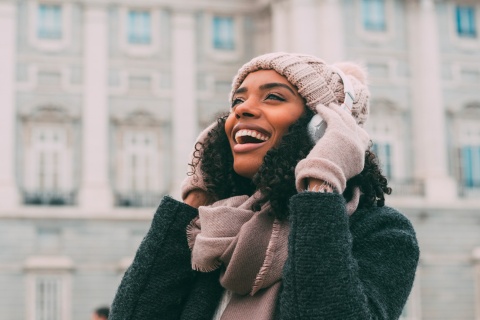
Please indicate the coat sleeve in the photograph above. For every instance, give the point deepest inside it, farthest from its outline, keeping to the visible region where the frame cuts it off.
(340, 268)
(160, 277)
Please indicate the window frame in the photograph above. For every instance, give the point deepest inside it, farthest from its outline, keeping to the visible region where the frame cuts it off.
(50, 44)
(468, 34)
(469, 43)
(369, 24)
(238, 36)
(376, 36)
(217, 34)
(140, 123)
(65, 178)
(49, 266)
(139, 49)
(43, 25)
(397, 125)
(133, 36)
(462, 124)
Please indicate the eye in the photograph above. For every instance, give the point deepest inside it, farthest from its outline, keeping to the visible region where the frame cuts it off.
(274, 96)
(236, 101)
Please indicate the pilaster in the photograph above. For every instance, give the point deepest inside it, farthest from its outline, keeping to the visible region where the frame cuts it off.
(331, 38)
(95, 190)
(428, 114)
(9, 195)
(185, 118)
(305, 31)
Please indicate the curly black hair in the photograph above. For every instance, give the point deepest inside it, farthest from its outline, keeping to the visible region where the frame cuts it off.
(276, 176)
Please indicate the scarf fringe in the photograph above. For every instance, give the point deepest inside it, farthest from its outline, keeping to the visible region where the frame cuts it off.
(191, 232)
(267, 263)
(200, 268)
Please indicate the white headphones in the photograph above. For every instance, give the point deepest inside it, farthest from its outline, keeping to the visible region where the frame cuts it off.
(317, 126)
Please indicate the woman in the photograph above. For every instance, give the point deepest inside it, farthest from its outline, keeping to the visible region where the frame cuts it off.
(278, 223)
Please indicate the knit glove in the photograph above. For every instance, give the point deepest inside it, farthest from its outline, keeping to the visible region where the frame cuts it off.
(195, 181)
(339, 155)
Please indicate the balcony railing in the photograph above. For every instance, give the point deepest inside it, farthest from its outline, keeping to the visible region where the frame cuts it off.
(407, 188)
(138, 199)
(49, 197)
(468, 191)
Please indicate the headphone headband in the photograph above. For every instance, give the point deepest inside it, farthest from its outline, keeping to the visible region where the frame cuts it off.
(347, 89)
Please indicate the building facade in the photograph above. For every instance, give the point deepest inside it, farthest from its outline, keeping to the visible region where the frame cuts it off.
(101, 101)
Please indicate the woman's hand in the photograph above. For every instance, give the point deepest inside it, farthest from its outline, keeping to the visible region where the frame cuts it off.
(317, 185)
(197, 198)
(339, 155)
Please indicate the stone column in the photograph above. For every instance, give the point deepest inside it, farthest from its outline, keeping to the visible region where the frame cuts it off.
(304, 26)
(331, 38)
(280, 26)
(184, 115)
(9, 196)
(428, 113)
(95, 190)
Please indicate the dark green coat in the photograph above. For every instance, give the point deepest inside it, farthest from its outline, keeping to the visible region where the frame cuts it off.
(339, 267)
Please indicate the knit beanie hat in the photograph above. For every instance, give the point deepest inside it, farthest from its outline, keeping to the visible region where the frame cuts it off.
(316, 81)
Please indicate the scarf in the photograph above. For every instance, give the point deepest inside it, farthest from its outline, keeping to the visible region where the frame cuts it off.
(252, 247)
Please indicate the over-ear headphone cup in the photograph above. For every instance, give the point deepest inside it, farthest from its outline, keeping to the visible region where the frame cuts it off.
(316, 128)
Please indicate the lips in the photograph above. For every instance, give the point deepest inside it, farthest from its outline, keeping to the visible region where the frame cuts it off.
(249, 137)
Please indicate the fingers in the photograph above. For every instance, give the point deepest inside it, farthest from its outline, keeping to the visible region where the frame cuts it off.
(326, 113)
(336, 117)
(251, 200)
(364, 137)
(345, 115)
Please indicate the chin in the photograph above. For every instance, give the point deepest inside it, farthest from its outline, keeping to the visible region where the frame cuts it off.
(246, 169)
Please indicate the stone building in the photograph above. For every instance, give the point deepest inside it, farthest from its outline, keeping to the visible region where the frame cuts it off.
(100, 102)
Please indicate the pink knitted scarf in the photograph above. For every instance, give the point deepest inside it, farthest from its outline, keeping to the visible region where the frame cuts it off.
(251, 248)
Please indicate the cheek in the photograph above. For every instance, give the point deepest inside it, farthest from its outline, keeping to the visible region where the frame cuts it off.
(284, 122)
(229, 124)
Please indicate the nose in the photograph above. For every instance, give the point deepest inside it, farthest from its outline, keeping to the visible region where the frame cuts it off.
(247, 109)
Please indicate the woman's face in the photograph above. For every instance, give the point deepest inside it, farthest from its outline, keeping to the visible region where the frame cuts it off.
(263, 108)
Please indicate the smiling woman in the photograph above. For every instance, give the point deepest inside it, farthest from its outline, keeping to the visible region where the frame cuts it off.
(278, 223)
(263, 109)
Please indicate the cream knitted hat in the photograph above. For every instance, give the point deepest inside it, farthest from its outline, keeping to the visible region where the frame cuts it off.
(315, 80)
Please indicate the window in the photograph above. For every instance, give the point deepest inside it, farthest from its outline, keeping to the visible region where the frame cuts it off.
(468, 149)
(49, 21)
(139, 169)
(48, 297)
(140, 156)
(139, 27)
(47, 151)
(223, 33)
(48, 166)
(374, 15)
(383, 151)
(466, 24)
(48, 287)
(470, 155)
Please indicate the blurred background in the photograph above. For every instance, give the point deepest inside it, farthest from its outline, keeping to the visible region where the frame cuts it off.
(101, 101)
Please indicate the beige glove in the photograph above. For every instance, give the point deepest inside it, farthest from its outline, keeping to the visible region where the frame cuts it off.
(339, 155)
(195, 181)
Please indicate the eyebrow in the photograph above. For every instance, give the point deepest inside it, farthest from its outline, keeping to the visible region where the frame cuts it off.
(267, 86)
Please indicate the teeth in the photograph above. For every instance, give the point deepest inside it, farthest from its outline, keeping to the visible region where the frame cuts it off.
(251, 133)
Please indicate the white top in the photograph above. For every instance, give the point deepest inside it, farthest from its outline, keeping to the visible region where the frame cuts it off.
(226, 296)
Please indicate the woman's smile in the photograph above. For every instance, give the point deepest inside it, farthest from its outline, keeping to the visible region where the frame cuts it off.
(248, 137)
(263, 108)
